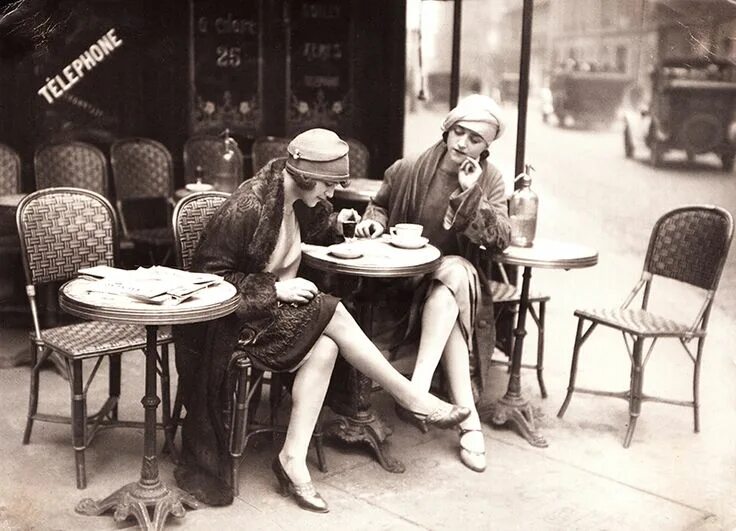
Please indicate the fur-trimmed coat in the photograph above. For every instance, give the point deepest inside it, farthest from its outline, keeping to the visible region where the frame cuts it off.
(236, 244)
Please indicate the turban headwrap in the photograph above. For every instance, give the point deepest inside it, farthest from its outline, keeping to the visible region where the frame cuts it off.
(479, 114)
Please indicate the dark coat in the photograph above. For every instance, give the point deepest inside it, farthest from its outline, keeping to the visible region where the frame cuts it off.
(236, 244)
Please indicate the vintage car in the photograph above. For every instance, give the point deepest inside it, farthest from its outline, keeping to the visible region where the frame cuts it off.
(586, 98)
(692, 108)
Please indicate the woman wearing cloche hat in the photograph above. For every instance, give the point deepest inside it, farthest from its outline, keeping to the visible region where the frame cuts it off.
(283, 324)
(458, 196)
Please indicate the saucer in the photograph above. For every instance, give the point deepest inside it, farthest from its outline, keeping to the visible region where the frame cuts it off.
(343, 251)
(417, 243)
(199, 187)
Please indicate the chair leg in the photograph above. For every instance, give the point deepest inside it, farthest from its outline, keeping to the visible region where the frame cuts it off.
(573, 368)
(635, 390)
(33, 394)
(696, 387)
(318, 438)
(166, 404)
(115, 364)
(176, 413)
(540, 349)
(79, 422)
(239, 424)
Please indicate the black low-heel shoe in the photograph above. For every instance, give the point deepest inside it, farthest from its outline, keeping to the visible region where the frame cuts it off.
(305, 494)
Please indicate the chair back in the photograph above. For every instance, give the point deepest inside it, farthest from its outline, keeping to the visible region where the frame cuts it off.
(266, 148)
(690, 244)
(207, 151)
(359, 159)
(191, 215)
(72, 164)
(64, 229)
(9, 170)
(141, 168)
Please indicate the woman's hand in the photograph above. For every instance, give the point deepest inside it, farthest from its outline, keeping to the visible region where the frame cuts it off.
(469, 173)
(369, 229)
(295, 290)
(348, 214)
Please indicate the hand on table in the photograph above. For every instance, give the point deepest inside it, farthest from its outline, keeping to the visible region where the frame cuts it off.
(369, 229)
(295, 290)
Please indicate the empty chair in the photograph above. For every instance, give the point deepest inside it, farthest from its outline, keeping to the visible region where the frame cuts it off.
(689, 245)
(62, 230)
(359, 159)
(75, 164)
(9, 170)
(266, 148)
(191, 215)
(219, 157)
(9, 185)
(142, 170)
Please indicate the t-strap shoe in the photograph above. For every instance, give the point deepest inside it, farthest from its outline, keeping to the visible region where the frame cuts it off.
(472, 459)
(305, 494)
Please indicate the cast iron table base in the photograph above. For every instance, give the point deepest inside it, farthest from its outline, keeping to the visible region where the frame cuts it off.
(135, 499)
(513, 408)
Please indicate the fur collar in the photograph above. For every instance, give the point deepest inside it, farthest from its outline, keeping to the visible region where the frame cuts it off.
(268, 189)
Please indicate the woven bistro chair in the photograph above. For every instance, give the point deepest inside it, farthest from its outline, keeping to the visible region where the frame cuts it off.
(506, 298)
(75, 164)
(9, 185)
(142, 170)
(191, 215)
(9, 170)
(267, 148)
(208, 153)
(62, 230)
(689, 245)
(359, 159)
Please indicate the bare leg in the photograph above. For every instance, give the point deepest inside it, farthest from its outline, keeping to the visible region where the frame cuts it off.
(438, 320)
(362, 354)
(308, 395)
(456, 362)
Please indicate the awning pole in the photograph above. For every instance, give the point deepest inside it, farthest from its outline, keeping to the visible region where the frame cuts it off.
(455, 66)
(526, 46)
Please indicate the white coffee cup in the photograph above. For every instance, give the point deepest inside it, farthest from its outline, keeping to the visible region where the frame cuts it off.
(407, 231)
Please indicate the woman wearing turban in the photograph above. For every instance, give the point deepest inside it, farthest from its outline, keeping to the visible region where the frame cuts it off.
(459, 197)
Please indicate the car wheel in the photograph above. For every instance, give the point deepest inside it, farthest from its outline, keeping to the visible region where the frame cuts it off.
(655, 155)
(727, 159)
(628, 143)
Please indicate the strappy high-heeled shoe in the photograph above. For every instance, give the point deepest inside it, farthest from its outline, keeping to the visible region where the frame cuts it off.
(472, 459)
(305, 494)
(440, 417)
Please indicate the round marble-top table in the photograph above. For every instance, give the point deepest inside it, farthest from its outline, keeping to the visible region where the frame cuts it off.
(134, 499)
(547, 254)
(356, 422)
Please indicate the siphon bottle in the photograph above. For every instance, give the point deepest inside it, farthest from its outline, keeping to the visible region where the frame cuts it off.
(523, 208)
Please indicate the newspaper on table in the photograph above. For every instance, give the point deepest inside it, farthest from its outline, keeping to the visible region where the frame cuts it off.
(155, 285)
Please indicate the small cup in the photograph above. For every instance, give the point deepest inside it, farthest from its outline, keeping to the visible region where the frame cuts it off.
(407, 231)
(348, 229)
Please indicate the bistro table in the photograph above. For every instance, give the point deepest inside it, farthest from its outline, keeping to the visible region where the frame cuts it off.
(358, 423)
(546, 254)
(149, 491)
